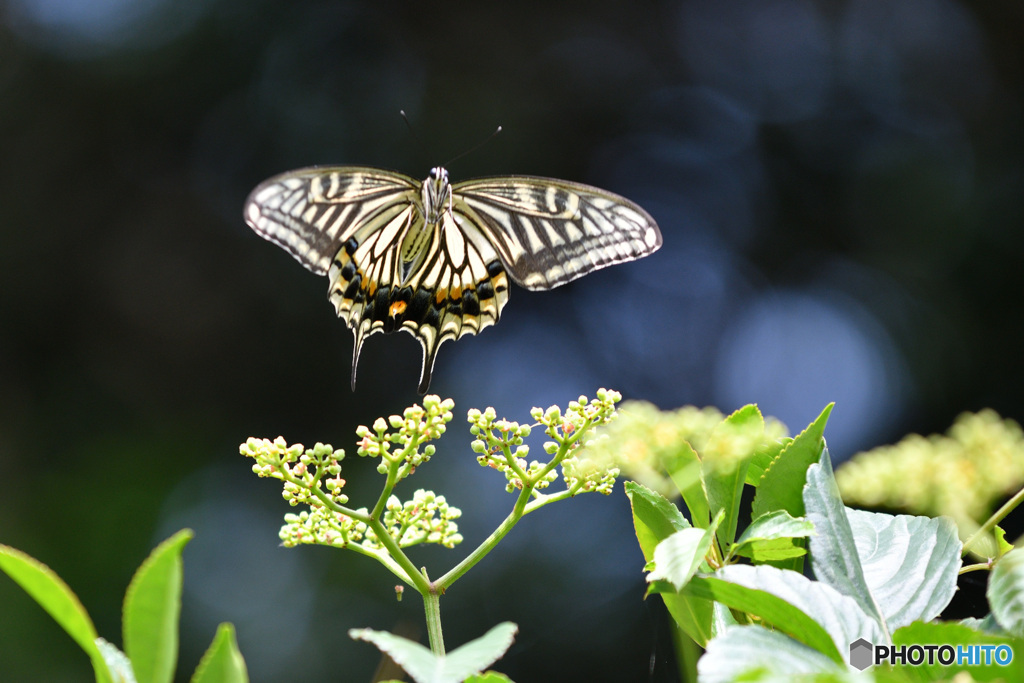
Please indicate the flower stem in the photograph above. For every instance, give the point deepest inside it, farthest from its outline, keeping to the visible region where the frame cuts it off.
(432, 608)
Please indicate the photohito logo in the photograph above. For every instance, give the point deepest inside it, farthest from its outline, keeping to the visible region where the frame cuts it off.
(863, 654)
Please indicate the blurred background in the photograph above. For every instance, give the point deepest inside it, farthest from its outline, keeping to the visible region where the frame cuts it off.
(841, 190)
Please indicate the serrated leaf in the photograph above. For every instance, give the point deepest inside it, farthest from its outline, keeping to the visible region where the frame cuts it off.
(752, 653)
(1006, 592)
(808, 611)
(425, 667)
(783, 480)
(222, 662)
(54, 596)
(834, 556)
(152, 605)
(910, 563)
(763, 459)
(655, 517)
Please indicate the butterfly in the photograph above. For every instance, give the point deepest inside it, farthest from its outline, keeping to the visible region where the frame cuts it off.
(434, 258)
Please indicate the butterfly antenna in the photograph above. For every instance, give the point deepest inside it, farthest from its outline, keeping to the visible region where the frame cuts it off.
(412, 131)
(474, 147)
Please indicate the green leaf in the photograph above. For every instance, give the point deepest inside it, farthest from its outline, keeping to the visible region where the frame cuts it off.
(1006, 592)
(783, 480)
(118, 663)
(752, 653)
(489, 677)
(910, 563)
(834, 556)
(683, 467)
(679, 556)
(1003, 546)
(763, 459)
(425, 667)
(655, 517)
(742, 431)
(54, 596)
(986, 624)
(222, 662)
(808, 611)
(770, 537)
(152, 605)
(958, 635)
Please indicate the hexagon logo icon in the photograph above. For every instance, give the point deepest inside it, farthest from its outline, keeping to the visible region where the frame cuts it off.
(861, 654)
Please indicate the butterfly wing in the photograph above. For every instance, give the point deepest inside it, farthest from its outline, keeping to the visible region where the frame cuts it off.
(549, 232)
(312, 212)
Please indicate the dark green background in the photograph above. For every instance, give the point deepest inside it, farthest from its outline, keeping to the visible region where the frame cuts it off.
(839, 185)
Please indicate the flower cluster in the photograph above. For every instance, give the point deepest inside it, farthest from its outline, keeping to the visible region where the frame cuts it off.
(408, 432)
(321, 526)
(427, 518)
(963, 473)
(303, 470)
(499, 445)
(580, 416)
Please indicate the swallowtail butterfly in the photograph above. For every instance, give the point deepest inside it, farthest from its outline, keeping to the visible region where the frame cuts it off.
(434, 258)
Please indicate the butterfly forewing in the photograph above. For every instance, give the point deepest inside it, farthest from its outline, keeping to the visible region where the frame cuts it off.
(550, 232)
(391, 269)
(312, 211)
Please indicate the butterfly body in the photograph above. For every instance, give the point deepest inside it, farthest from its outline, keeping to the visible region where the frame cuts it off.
(433, 258)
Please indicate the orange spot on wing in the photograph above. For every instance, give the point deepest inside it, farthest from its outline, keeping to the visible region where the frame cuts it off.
(397, 309)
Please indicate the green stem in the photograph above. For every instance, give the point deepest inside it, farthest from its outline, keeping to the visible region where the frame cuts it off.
(1001, 513)
(410, 575)
(518, 510)
(432, 608)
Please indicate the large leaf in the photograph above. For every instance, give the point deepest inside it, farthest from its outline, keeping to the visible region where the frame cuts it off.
(1006, 592)
(834, 556)
(751, 653)
(809, 611)
(456, 666)
(54, 596)
(222, 662)
(152, 605)
(910, 563)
